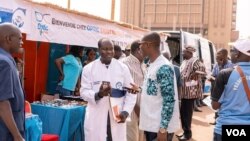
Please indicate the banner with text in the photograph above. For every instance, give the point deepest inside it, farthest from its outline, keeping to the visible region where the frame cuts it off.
(46, 24)
(51, 25)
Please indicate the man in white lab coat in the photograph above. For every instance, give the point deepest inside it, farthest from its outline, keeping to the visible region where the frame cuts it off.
(102, 85)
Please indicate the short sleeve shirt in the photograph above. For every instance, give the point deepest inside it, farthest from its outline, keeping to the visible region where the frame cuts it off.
(220, 83)
(11, 90)
(72, 69)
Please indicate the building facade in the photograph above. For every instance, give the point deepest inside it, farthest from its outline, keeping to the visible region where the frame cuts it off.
(213, 19)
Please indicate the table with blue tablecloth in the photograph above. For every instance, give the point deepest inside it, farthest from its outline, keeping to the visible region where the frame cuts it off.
(33, 128)
(65, 121)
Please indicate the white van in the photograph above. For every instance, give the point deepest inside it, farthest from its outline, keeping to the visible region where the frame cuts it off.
(205, 50)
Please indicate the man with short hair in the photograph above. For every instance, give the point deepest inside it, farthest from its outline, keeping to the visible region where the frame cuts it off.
(109, 105)
(157, 98)
(231, 91)
(118, 52)
(222, 62)
(191, 88)
(11, 92)
(134, 63)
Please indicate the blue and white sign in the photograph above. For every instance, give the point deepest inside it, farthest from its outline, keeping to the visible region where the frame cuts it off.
(16, 12)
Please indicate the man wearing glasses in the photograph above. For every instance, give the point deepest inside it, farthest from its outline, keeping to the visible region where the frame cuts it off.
(231, 93)
(157, 97)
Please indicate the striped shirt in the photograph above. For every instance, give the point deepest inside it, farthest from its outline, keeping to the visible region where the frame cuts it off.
(188, 68)
(135, 67)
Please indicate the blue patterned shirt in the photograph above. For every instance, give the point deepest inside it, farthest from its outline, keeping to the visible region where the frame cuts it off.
(165, 79)
(158, 96)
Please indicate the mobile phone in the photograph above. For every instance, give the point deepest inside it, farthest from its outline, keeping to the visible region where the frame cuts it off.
(105, 84)
(129, 89)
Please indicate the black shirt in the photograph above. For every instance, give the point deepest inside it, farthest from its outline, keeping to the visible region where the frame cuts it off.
(220, 83)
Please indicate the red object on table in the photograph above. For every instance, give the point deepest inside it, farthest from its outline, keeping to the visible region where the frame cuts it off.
(27, 107)
(50, 137)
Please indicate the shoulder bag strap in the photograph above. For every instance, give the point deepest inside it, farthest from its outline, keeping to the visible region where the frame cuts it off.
(244, 82)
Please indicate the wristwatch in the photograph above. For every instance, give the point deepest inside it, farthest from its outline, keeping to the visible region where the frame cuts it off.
(163, 130)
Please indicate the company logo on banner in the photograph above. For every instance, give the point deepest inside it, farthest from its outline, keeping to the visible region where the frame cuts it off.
(18, 17)
(16, 12)
(42, 22)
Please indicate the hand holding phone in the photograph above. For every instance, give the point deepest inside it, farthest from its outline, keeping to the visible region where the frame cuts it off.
(105, 89)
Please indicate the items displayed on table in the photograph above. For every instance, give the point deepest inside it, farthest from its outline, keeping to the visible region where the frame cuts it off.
(61, 103)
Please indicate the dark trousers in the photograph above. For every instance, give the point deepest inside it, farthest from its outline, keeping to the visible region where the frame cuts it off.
(186, 112)
(217, 137)
(109, 134)
(151, 136)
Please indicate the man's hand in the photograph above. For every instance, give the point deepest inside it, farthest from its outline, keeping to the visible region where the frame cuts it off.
(104, 90)
(123, 116)
(137, 110)
(77, 93)
(215, 105)
(18, 138)
(194, 77)
(61, 77)
(211, 79)
(134, 89)
(161, 136)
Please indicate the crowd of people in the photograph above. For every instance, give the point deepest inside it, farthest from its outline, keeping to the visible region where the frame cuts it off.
(130, 99)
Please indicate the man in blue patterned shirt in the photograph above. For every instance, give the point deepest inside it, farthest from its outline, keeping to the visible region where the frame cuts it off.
(157, 97)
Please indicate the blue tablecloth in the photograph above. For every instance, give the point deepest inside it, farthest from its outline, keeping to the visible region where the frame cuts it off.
(33, 128)
(65, 122)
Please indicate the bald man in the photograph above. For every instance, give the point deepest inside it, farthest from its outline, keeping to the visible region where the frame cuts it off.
(109, 104)
(11, 93)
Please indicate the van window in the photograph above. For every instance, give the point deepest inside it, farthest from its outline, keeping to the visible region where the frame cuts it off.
(164, 47)
(212, 51)
(206, 54)
(192, 40)
(174, 48)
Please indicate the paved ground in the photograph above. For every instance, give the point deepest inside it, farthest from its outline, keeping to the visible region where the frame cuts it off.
(202, 130)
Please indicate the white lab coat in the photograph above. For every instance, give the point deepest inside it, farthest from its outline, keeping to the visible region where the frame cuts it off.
(95, 124)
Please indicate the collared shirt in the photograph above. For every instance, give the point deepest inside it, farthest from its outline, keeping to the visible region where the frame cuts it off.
(235, 107)
(11, 90)
(135, 67)
(217, 68)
